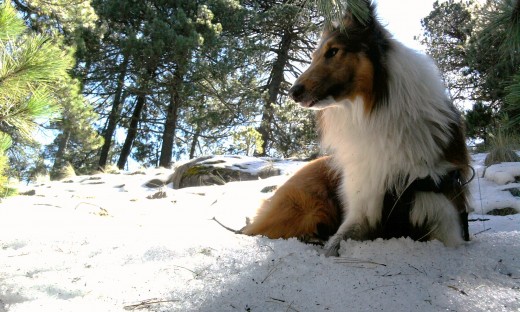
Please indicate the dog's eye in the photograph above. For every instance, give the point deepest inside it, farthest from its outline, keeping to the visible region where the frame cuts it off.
(331, 52)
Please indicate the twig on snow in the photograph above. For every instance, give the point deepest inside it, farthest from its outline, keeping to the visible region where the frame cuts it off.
(146, 303)
(358, 263)
(459, 290)
(280, 301)
(482, 231)
(227, 228)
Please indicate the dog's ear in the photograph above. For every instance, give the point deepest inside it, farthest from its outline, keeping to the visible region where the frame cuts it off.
(359, 14)
(329, 28)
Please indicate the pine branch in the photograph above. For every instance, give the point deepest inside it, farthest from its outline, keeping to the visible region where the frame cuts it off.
(10, 25)
(23, 115)
(30, 61)
(334, 10)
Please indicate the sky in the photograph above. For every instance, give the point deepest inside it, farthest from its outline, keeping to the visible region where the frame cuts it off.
(403, 18)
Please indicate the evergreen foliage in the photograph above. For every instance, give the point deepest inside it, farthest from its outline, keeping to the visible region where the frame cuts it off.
(30, 67)
(477, 48)
(61, 23)
(5, 143)
(156, 81)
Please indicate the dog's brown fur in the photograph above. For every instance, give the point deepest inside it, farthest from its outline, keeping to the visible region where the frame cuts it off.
(306, 206)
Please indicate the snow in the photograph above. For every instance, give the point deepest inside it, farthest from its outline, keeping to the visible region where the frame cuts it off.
(490, 188)
(103, 243)
(503, 173)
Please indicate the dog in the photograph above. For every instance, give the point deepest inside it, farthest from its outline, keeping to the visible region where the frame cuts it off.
(306, 206)
(395, 138)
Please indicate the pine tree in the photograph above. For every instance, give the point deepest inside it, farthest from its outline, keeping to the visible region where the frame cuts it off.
(506, 16)
(5, 143)
(477, 47)
(71, 26)
(30, 67)
(177, 73)
(333, 10)
(447, 32)
(291, 29)
(287, 31)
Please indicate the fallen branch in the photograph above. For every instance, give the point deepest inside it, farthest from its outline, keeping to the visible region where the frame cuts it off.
(477, 219)
(227, 228)
(357, 263)
(181, 267)
(146, 303)
(280, 301)
(482, 231)
(271, 271)
(459, 290)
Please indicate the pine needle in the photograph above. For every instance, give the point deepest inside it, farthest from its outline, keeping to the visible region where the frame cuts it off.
(10, 25)
(333, 11)
(503, 15)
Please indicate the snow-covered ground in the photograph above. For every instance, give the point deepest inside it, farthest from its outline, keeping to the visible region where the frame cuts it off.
(107, 243)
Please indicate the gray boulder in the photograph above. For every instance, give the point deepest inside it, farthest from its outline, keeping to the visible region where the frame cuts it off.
(219, 170)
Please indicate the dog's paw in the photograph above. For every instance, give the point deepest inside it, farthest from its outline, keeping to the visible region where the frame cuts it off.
(311, 240)
(332, 246)
(332, 252)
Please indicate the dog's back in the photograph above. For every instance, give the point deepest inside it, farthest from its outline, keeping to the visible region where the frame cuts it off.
(306, 206)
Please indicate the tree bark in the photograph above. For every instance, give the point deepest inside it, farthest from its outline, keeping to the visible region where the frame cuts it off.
(172, 114)
(273, 88)
(108, 134)
(132, 131)
(60, 154)
(194, 142)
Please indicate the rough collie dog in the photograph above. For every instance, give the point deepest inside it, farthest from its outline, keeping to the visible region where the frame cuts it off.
(306, 206)
(395, 138)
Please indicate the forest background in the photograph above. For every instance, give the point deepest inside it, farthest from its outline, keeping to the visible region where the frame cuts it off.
(156, 81)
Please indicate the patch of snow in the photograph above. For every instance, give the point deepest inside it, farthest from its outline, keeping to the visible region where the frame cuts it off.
(503, 173)
(101, 244)
(490, 189)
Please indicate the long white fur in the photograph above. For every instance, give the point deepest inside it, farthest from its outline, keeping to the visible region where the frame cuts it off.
(442, 217)
(377, 151)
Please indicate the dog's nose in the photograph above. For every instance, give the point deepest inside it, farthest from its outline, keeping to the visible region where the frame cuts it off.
(296, 92)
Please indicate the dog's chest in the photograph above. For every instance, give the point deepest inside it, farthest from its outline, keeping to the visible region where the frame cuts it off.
(378, 153)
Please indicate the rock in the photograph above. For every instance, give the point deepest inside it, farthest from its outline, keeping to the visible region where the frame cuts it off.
(219, 170)
(269, 189)
(155, 183)
(93, 180)
(28, 193)
(502, 211)
(158, 195)
(178, 173)
(514, 191)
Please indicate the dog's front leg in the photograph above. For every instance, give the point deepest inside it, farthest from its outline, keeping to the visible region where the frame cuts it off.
(361, 216)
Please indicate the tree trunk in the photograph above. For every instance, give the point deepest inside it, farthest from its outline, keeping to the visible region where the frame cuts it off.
(114, 114)
(194, 142)
(132, 131)
(59, 158)
(170, 125)
(273, 88)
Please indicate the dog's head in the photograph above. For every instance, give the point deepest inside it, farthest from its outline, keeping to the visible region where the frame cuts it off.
(349, 62)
